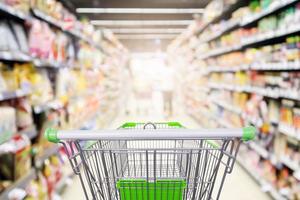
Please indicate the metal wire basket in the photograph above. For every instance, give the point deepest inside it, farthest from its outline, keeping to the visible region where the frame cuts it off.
(152, 161)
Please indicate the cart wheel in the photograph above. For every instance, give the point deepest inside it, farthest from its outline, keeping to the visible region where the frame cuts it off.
(149, 124)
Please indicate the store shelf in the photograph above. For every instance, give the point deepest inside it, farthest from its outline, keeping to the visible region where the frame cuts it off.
(292, 165)
(227, 106)
(66, 179)
(271, 35)
(63, 182)
(219, 34)
(6, 95)
(13, 12)
(275, 66)
(289, 131)
(48, 63)
(226, 12)
(267, 91)
(223, 123)
(254, 18)
(54, 104)
(260, 150)
(56, 23)
(256, 121)
(263, 183)
(24, 57)
(31, 132)
(48, 19)
(212, 69)
(252, 40)
(39, 160)
(21, 183)
(273, 8)
(14, 56)
(220, 51)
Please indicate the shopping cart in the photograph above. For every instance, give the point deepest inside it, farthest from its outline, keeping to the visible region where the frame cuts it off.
(152, 161)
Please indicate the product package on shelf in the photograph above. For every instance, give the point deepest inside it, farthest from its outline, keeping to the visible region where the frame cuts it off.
(42, 91)
(8, 41)
(56, 10)
(15, 158)
(89, 57)
(23, 5)
(7, 123)
(47, 44)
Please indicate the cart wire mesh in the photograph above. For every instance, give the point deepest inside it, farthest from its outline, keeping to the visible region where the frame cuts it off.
(152, 169)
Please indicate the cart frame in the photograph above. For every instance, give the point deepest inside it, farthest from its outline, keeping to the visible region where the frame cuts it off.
(161, 161)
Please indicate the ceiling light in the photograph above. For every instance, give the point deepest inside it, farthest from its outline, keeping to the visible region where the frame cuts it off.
(140, 10)
(148, 30)
(140, 22)
(147, 36)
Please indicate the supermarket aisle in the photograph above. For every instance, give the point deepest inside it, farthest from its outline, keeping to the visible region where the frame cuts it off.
(238, 186)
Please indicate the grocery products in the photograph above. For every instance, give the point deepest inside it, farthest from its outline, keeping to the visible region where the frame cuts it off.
(7, 123)
(15, 158)
(247, 62)
(55, 71)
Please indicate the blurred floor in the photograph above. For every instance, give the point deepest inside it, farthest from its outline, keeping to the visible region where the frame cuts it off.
(238, 185)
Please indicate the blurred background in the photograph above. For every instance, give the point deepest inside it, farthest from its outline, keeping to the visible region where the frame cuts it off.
(96, 64)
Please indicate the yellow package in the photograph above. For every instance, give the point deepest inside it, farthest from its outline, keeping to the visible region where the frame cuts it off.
(23, 72)
(10, 79)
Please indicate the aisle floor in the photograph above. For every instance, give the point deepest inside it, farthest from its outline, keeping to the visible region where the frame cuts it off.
(238, 186)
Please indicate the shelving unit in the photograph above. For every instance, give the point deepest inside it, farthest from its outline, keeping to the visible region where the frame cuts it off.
(226, 82)
(274, 93)
(13, 12)
(39, 160)
(72, 82)
(275, 7)
(15, 56)
(289, 131)
(55, 104)
(21, 183)
(31, 132)
(53, 22)
(6, 95)
(264, 184)
(248, 42)
(48, 19)
(226, 12)
(276, 66)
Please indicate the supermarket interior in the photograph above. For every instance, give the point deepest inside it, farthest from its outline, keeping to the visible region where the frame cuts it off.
(108, 64)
